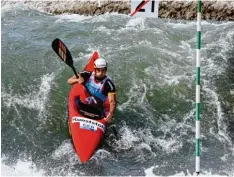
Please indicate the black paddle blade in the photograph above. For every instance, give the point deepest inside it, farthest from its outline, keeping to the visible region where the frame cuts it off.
(61, 49)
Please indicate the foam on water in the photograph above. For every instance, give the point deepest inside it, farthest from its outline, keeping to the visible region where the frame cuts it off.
(101, 155)
(188, 24)
(128, 139)
(36, 99)
(103, 29)
(23, 167)
(104, 17)
(10, 7)
(71, 18)
(20, 5)
(145, 140)
(136, 94)
(62, 18)
(222, 127)
(214, 69)
(136, 24)
(64, 149)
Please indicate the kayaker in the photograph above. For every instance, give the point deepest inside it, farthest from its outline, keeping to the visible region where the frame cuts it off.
(99, 85)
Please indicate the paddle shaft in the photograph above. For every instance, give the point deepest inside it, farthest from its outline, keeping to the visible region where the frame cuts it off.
(74, 70)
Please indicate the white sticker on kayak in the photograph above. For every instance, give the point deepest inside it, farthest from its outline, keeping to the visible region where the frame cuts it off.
(88, 126)
(88, 123)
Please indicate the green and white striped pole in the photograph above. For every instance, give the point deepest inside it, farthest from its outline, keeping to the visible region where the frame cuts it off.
(198, 87)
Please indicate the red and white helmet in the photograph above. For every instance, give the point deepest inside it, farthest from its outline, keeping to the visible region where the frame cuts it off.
(100, 63)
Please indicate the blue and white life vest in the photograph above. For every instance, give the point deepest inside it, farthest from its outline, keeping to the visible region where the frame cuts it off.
(95, 88)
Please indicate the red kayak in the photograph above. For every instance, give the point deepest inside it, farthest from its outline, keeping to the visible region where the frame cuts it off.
(86, 124)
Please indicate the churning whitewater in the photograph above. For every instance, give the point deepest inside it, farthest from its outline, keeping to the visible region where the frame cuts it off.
(152, 62)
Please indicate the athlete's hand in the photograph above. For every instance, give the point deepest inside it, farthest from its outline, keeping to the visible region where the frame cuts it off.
(80, 79)
(108, 118)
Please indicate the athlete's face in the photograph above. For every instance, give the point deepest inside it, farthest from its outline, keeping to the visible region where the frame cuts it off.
(100, 73)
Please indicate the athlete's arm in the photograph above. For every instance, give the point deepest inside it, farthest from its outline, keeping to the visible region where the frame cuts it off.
(82, 77)
(110, 91)
(112, 102)
(72, 80)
